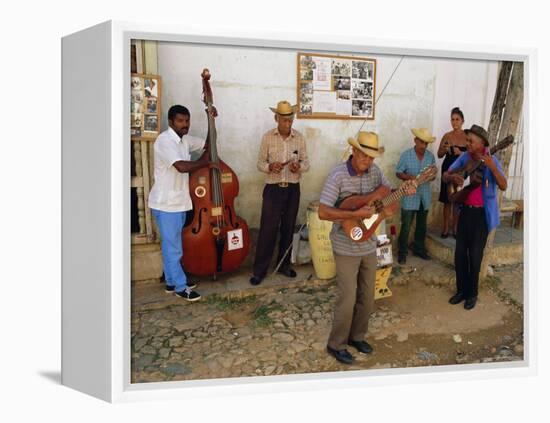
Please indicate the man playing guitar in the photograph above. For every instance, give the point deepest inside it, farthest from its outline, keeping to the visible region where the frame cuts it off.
(479, 215)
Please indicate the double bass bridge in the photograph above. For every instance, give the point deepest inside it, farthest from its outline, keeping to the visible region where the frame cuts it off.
(216, 211)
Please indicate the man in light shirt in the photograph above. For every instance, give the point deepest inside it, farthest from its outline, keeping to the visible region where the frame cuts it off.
(283, 158)
(169, 198)
(411, 163)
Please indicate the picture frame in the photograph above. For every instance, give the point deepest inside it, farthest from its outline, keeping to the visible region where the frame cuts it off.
(96, 331)
(145, 103)
(344, 89)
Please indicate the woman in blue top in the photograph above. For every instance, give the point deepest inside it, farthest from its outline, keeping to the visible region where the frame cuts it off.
(478, 217)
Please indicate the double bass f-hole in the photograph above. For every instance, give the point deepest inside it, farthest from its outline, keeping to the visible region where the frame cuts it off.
(198, 222)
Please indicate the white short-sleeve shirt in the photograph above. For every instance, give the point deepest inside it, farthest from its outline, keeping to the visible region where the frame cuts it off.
(170, 192)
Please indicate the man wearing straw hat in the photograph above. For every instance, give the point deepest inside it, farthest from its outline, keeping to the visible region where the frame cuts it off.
(283, 158)
(355, 261)
(411, 163)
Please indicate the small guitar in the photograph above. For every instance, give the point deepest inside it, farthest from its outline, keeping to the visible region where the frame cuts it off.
(474, 170)
(293, 157)
(384, 201)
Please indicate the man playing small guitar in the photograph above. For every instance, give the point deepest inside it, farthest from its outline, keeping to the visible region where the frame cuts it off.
(355, 260)
(479, 215)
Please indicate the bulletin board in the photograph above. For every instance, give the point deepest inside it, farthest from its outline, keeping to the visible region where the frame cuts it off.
(335, 87)
(145, 106)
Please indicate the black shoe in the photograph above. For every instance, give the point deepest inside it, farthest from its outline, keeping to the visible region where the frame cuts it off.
(423, 255)
(343, 356)
(470, 303)
(255, 280)
(171, 289)
(288, 272)
(457, 298)
(401, 258)
(444, 235)
(189, 295)
(361, 346)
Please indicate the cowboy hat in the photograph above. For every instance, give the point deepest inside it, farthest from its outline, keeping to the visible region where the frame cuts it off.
(284, 108)
(367, 142)
(423, 134)
(480, 132)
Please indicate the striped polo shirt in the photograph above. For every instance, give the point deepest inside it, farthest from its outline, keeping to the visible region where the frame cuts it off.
(342, 182)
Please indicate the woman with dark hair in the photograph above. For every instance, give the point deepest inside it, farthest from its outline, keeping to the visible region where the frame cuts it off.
(452, 145)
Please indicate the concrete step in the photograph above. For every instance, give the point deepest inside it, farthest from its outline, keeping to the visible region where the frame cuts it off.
(507, 246)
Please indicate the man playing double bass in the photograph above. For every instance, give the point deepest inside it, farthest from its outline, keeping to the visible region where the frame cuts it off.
(169, 198)
(283, 158)
(479, 214)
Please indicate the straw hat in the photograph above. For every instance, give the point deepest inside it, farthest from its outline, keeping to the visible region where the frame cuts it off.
(423, 134)
(367, 142)
(284, 108)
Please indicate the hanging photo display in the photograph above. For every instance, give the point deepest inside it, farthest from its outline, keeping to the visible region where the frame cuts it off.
(335, 87)
(145, 106)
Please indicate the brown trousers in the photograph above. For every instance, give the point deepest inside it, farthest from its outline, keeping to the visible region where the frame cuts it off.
(355, 303)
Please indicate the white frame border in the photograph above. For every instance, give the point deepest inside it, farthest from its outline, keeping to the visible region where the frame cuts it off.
(121, 389)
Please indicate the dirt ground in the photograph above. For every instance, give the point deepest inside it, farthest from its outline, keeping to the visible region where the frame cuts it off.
(282, 328)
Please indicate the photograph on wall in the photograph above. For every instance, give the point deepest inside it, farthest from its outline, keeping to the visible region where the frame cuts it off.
(250, 264)
(306, 74)
(136, 83)
(137, 96)
(136, 107)
(151, 105)
(361, 107)
(362, 90)
(137, 120)
(151, 88)
(341, 67)
(341, 83)
(362, 70)
(151, 123)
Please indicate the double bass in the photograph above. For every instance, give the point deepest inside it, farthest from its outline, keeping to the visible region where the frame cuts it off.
(217, 240)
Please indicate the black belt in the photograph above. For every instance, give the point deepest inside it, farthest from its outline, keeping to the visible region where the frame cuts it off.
(473, 207)
(286, 184)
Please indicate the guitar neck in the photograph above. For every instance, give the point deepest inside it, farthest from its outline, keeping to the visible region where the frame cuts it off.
(394, 196)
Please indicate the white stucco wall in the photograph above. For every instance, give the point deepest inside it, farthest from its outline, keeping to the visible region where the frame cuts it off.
(246, 81)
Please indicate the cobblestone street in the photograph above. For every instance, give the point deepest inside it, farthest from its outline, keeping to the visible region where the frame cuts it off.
(283, 328)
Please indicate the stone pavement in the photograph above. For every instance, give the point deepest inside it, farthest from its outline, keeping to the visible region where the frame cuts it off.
(281, 327)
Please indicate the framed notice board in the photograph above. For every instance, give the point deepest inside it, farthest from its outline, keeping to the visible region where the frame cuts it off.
(145, 106)
(335, 87)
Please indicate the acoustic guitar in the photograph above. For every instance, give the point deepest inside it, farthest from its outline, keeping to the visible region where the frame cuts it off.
(473, 169)
(384, 201)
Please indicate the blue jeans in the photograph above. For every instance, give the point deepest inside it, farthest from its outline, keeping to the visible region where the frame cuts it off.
(170, 226)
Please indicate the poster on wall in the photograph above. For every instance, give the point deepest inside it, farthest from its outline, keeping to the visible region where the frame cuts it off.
(145, 106)
(335, 87)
